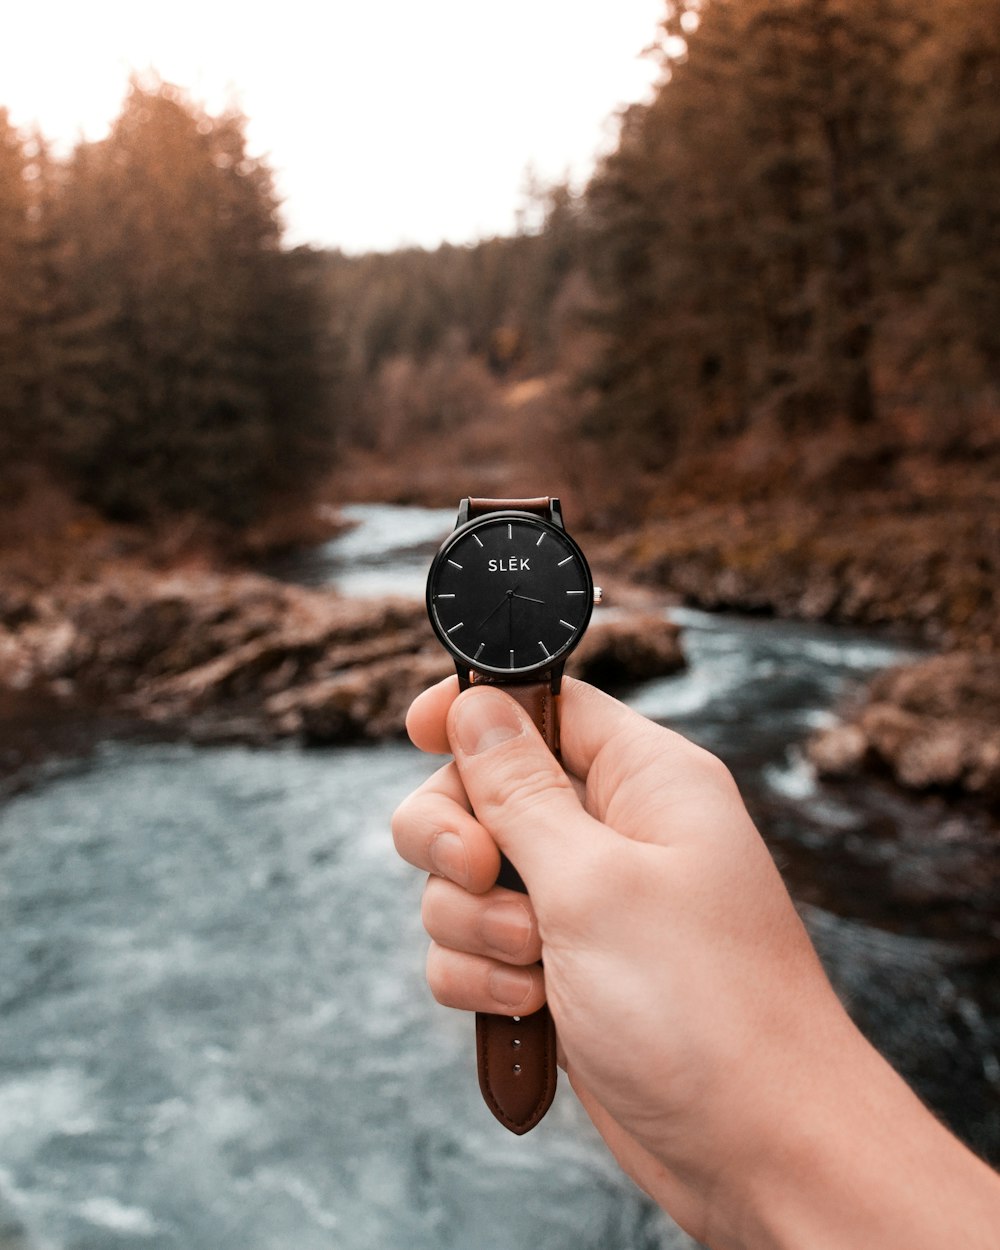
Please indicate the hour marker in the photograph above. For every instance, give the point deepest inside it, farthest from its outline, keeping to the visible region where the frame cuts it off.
(476, 537)
(480, 651)
(512, 659)
(455, 563)
(540, 537)
(444, 596)
(510, 531)
(562, 562)
(545, 649)
(566, 623)
(454, 627)
(576, 592)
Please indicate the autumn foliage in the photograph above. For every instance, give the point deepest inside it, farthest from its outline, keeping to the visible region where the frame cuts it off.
(157, 346)
(796, 239)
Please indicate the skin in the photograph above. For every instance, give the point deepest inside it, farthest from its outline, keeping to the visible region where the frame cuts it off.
(695, 1022)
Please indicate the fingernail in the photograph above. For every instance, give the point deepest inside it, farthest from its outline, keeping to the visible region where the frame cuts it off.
(506, 927)
(510, 986)
(485, 721)
(449, 858)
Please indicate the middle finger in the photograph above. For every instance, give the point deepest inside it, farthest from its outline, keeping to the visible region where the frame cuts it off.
(500, 923)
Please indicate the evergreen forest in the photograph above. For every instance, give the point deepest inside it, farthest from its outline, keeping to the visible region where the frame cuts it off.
(797, 237)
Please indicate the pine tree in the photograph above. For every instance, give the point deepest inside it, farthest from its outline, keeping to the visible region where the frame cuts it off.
(198, 381)
(17, 171)
(952, 242)
(741, 227)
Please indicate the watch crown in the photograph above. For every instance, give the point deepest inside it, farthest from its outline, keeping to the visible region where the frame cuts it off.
(598, 596)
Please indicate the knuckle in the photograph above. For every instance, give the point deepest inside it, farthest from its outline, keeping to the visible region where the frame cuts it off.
(711, 770)
(439, 978)
(435, 906)
(427, 906)
(404, 818)
(397, 821)
(520, 786)
(432, 967)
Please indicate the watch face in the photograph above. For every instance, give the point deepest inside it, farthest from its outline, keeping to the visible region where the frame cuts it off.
(509, 594)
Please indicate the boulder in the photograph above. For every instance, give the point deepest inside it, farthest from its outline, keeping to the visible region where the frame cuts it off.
(632, 648)
(933, 725)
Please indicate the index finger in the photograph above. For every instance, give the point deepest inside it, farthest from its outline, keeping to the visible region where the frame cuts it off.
(428, 713)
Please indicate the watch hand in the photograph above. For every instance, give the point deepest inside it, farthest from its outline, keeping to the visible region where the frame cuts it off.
(505, 599)
(527, 599)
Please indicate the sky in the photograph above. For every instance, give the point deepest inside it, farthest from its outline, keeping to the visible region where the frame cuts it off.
(386, 122)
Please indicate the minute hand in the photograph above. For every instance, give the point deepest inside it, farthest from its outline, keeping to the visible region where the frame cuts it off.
(527, 598)
(508, 595)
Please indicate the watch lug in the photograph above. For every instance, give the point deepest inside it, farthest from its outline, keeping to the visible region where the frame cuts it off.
(555, 678)
(464, 677)
(463, 512)
(555, 513)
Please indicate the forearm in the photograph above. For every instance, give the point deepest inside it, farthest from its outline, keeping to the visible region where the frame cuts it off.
(695, 1019)
(862, 1164)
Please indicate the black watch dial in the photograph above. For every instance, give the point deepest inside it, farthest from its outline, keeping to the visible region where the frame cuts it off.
(510, 594)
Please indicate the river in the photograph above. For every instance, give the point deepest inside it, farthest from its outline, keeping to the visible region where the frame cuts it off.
(215, 1032)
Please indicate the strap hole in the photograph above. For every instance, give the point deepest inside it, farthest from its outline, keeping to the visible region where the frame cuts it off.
(516, 1043)
(517, 1069)
(516, 1019)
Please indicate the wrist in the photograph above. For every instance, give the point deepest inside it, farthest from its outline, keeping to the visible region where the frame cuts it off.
(855, 1159)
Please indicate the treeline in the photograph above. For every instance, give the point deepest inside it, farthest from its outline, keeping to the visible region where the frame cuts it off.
(804, 224)
(427, 337)
(801, 231)
(158, 349)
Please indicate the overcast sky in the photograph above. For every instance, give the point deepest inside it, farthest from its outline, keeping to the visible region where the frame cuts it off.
(386, 121)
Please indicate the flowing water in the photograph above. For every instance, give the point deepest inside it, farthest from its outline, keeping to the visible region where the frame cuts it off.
(214, 1031)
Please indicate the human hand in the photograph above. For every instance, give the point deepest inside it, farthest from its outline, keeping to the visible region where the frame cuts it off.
(696, 1024)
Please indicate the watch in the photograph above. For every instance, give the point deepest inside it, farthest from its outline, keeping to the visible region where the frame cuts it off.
(509, 595)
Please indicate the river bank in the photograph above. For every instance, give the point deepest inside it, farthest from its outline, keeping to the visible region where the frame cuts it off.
(894, 527)
(175, 632)
(894, 533)
(221, 656)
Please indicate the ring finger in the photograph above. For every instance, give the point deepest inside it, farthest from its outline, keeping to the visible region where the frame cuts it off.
(475, 983)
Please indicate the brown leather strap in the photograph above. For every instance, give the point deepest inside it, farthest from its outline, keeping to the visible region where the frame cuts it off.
(517, 1054)
(517, 1067)
(479, 507)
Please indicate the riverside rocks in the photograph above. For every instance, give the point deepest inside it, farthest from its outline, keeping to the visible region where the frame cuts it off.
(237, 656)
(933, 724)
(616, 653)
(926, 566)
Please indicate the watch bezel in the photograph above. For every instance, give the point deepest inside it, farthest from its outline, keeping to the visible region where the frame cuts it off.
(511, 676)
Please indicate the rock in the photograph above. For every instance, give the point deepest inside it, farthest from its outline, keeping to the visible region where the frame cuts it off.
(865, 559)
(933, 724)
(838, 751)
(634, 648)
(214, 656)
(958, 684)
(358, 703)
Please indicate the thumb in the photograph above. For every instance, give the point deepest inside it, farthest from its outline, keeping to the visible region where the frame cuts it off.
(516, 787)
